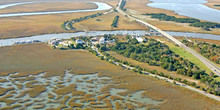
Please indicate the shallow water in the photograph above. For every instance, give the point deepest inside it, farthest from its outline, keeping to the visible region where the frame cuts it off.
(191, 8)
(89, 83)
(101, 6)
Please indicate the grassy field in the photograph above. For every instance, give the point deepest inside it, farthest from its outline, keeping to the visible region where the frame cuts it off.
(41, 24)
(34, 25)
(203, 40)
(29, 59)
(217, 42)
(52, 6)
(106, 21)
(185, 54)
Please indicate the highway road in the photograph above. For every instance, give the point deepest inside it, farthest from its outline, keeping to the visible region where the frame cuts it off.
(209, 64)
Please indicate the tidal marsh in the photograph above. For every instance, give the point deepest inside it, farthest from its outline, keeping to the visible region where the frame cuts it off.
(101, 85)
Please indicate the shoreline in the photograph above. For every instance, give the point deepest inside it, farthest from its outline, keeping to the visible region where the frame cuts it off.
(180, 8)
(211, 3)
(102, 30)
(12, 8)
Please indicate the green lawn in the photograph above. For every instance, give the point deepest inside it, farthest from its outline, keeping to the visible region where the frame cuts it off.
(185, 54)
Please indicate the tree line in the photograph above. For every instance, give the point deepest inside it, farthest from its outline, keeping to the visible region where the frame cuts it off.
(140, 70)
(159, 54)
(123, 3)
(76, 20)
(210, 51)
(115, 21)
(194, 22)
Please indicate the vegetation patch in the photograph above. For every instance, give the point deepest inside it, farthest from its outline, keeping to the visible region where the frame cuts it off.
(34, 91)
(68, 25)
(115, 22)
(78, 93)
(3, 91)
(210, 51)
(75, 105)
(103, 96)
(119, 106)
(7, 101)
(11, 107)
(30, 84)
(114, 98)
(66, 90)
(156, 53)
(194, 22)
(3, 80)
(123, 3)
(39, 106)
(120, 77)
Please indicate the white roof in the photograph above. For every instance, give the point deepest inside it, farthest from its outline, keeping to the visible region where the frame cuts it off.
(79, 41)
(140, 39)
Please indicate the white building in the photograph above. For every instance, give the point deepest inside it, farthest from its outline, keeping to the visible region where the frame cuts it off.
(65, 43)
(102, 40)
(94, 39)
(140, 39)
(54, 41)
(79, 41)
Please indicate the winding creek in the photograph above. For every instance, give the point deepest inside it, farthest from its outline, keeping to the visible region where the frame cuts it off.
(101, 6)
(191, 8)
(85, 85)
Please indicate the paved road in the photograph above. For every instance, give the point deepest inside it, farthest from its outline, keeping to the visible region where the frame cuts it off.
(163, 78)
(209, 64)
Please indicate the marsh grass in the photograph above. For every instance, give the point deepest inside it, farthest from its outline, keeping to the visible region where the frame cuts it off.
(11, 107)
(24, 101)
(30, 84)
(105, 24)
(33, 92)
(52, 6)
(114, 98)
(28, 104)
(75, 105)
(39, 106)
(29, 56)
(65, 90)
(3, 80)
(51, 96)
(40, 24)
(3, 91)
(108, 103)
(101, 97)
(8, 96)
(78, 93)
(119, 106)
(65, 100)
(19, 86)
(7, 101)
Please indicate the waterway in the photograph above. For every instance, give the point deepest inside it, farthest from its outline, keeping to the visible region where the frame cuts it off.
(46, 37)
(190, 8)
(101, 6)
(85, 85)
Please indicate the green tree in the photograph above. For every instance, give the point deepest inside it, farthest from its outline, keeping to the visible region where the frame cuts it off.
(189, 73)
